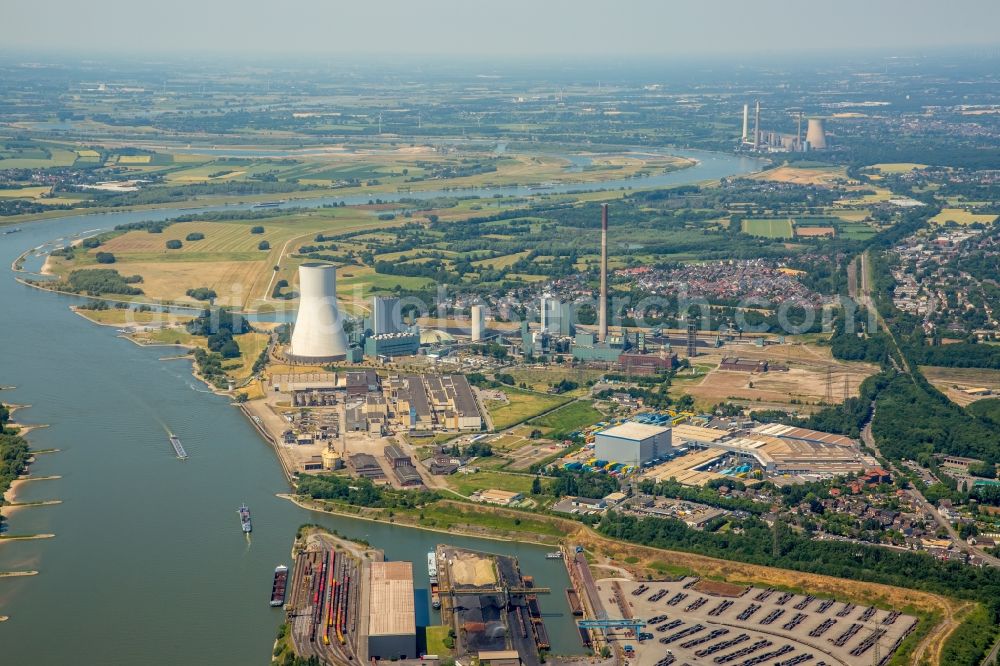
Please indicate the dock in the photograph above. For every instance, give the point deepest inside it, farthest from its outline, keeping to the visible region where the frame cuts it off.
(178, 447)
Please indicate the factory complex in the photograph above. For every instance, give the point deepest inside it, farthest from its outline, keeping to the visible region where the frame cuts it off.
(694, 455)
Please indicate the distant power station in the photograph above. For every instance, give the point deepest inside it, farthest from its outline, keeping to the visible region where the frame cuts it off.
(770, 141)
(816, 134)
(318, 336)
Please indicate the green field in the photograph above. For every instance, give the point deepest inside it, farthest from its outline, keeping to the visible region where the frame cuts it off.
(573, 416)
(522, 406)
(768, 227)
(469, 483)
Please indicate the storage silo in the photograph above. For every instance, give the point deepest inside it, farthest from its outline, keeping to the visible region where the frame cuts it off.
(318, 335)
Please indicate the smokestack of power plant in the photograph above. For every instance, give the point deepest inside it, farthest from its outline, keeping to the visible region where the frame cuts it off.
(756, 126)
(816, 134)
(478, 323)
(798, 134)
(318, 335)
(602, 330)
(746, 121)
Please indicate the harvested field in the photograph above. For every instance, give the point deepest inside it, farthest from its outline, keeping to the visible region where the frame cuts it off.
(231, 280)
(961, 216)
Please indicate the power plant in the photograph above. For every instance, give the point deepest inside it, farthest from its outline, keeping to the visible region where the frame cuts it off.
(602, 330)
(771, 141)
(318, 336)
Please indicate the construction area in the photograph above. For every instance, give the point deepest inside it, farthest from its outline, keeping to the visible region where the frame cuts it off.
(490, 605)
(694, 621)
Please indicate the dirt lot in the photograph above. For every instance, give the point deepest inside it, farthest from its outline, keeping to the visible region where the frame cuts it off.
(952, 381)
(805, 380)
(800, 176)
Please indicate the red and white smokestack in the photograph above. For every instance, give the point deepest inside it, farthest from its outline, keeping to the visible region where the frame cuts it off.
(602, 330)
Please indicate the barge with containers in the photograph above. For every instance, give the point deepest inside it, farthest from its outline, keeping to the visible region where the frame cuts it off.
(279, 586)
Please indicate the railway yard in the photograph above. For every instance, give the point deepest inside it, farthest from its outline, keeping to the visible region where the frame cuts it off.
(693, 621)
(324, 598)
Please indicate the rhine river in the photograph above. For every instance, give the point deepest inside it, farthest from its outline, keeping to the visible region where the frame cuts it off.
(148, 564)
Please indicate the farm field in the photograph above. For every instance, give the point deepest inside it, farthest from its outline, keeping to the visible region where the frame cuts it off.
(961, 216)
(768, 227)
(898, 167)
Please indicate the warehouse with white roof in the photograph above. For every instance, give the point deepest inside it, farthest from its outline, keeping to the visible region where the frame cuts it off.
(633, 443)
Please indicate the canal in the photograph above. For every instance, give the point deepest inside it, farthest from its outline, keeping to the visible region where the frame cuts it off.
(148, 564)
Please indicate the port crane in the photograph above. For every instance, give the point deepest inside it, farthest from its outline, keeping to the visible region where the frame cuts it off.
(504, 591)
(605, 625)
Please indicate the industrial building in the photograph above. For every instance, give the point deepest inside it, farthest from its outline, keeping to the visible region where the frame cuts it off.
(556, 317)
(392, 344)
(633, 443)
(637, 363)
(318, 335)
(451, 397)
(590, 350)
(735, 364)
(386, 316)
(392, 625)
(365, 465)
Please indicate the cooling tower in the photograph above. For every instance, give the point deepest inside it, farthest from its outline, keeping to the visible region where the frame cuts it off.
(478, 323)
(816, 134)
(318, 335)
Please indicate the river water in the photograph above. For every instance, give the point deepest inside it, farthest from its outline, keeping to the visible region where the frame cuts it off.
(148, 564)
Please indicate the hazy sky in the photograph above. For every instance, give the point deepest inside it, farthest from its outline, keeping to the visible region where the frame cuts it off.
(497, 27)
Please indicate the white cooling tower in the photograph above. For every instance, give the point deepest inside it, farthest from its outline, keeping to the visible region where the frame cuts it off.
(478, 323)
(816, 134)
(319, 327)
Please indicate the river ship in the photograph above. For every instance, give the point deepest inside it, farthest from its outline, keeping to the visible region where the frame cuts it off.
(432, 566)
(245, 519)
(279, 585)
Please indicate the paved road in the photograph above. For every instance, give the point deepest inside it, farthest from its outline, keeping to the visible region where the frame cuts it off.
(927, 507)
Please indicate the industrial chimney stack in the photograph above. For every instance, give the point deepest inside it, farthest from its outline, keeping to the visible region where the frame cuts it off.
(602, 331)
(746, 122)
(756, 126)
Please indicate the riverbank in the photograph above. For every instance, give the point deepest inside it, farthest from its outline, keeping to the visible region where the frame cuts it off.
(411, 522)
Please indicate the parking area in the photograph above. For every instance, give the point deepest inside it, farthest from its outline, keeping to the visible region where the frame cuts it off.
(703, 622)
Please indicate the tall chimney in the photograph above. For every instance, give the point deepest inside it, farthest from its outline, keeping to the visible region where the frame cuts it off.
(798, 135)
(756, 126)
(602, 330)
(746, 122)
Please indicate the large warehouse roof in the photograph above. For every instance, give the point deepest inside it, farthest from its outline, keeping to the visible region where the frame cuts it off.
(391, 610)
(632, 430)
